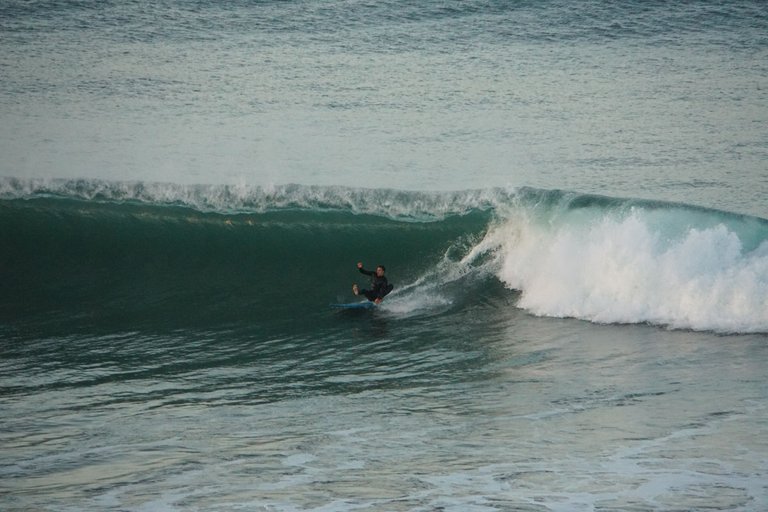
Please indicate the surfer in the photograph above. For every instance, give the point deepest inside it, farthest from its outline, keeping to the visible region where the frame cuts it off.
(379, 284)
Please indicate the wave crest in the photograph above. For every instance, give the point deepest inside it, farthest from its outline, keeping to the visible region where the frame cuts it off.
(229, 199)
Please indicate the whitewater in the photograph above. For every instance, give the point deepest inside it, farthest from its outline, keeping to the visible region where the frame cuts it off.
(569, 198)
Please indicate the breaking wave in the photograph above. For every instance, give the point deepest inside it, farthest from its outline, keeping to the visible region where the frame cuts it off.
(183, 253)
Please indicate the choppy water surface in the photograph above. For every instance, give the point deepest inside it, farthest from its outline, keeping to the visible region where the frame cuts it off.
(569, 198)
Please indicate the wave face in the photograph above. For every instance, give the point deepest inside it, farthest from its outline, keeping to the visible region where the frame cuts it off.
(164, 256)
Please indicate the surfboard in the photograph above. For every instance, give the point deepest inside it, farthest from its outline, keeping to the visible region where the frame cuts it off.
(355, 305)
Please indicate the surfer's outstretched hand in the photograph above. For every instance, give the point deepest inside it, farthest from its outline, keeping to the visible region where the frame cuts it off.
(359, 264)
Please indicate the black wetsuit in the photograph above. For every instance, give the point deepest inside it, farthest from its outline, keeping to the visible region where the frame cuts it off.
(379, 286)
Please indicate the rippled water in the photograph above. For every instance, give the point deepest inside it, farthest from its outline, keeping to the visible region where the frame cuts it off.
(165, 341)
(524, 413)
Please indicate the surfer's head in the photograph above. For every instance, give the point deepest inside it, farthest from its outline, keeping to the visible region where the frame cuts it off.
(380, 270)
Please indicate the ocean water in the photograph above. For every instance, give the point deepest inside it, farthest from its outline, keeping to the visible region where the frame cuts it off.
(569, 197)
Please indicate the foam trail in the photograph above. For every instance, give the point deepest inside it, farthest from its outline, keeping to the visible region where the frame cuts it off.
(628, 269)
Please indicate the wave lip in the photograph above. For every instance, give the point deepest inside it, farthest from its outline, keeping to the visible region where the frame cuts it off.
(228, 199)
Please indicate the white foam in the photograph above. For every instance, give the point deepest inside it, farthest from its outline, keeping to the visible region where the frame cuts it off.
(391, 203)
(621, 269)
(414, 304)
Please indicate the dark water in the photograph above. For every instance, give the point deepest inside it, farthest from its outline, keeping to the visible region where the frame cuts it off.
(579, 324)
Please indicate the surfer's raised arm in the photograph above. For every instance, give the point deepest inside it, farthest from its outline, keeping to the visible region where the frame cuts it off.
(363, 271)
